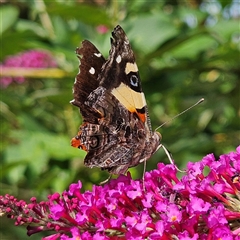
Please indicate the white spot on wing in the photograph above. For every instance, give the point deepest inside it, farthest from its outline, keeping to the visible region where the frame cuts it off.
(118, 59)
(98, 54)
(131, 67)
(92, 70)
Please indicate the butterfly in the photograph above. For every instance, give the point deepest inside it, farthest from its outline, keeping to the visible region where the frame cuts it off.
(116, 131)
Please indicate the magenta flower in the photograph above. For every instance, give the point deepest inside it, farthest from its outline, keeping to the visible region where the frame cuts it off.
(198, 206)
(28, 59)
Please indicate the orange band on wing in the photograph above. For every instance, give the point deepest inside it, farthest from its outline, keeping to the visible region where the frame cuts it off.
(77, 144)
(142, 116)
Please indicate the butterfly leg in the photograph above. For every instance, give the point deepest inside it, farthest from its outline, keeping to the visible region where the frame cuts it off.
(106, 181)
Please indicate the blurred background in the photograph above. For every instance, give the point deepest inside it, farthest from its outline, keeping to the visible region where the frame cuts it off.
(185, 50)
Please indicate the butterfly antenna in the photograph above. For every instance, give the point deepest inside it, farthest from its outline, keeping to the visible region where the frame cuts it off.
(161, 145)
(198, 102)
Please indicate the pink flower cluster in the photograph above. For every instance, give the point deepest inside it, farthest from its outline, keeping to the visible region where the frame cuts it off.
(102, 29)
(28, 59)
(203, 204)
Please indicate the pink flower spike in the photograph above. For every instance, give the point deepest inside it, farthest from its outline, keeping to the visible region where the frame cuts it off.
(197, 206)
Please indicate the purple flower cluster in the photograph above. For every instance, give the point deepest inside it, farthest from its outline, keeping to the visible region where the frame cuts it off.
(28, 59)
(203, 204)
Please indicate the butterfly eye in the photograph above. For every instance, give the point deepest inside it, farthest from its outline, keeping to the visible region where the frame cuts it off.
(134, 81)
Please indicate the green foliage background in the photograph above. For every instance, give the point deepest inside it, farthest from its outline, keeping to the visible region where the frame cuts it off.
(185, 50)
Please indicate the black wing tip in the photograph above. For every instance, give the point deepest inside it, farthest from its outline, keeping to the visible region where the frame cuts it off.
(117, 28)
(119, 39)
(119, 34)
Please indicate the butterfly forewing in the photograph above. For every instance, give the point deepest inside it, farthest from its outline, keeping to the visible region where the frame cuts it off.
(91, 62)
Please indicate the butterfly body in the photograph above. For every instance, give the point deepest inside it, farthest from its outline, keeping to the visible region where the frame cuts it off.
(116, 130)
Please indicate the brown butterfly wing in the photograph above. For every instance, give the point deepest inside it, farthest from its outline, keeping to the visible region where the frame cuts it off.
(120, 135)
(91, 62)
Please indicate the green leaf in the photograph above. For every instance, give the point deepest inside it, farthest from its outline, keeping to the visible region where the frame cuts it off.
(9, 15)
(226, 28)
(193, 46)
(27, 25)
(58, 146)
(85, 13)
(15, 42)
(7, 167)
(61, 30)
(157, 29)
